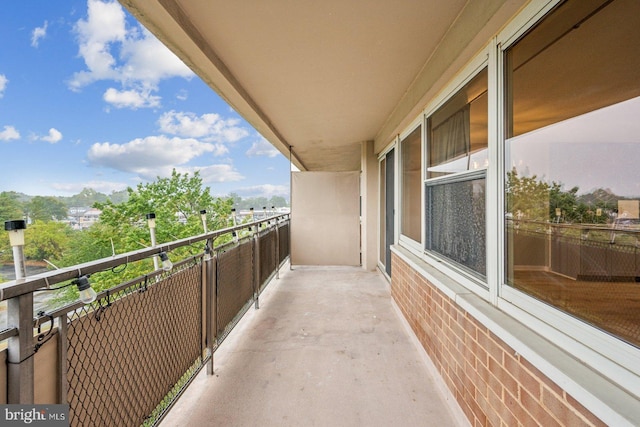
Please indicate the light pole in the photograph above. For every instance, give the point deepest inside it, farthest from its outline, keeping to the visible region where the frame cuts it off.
(203, 216)
(16, 239)
(20, 367)
(151, 221)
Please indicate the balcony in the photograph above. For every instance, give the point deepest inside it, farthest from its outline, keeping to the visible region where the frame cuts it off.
(326, 347)
(309, 345)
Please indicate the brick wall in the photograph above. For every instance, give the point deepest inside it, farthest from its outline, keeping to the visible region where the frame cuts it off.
(493, 385)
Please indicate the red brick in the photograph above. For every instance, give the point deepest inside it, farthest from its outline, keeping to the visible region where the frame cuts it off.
(491, 347)
(560, 409)
(485, 407)
(503, 377)
(482, 377)
(523, 376)
(504, 411)
(586, 414)
(493, 381)
(534, 407)
(493, 416)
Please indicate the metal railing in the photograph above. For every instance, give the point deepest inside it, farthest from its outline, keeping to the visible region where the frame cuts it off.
(580, 251)
(125, 358)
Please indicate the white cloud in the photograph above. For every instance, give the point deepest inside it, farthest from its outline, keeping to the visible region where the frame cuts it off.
(264, 190)
(262, 147)
(3, 84)
(146, 59)
(209, 127)
(53, 136)
(182, 95)
(105, 25)
(106, 187)
(147, 156)
(39, 33)
(9, 133)
(214, 173)
(131, 56)
(132, 99)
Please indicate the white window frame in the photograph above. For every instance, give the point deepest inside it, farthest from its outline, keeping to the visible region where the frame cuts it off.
(382, 155)
(406, 241)
(441, 263)
(610, 356)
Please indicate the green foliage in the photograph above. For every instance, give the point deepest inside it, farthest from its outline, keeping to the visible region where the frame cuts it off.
(122, 227)
(46, 240)
(176, 201)
(533, 199)
(527, 196)
(87, 197)
(11, 207)
(118, 196)
(46, 208)
(257, 202)
(6, 254)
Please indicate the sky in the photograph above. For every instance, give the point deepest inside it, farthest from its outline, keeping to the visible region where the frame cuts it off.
(595, 150)
(91, 99)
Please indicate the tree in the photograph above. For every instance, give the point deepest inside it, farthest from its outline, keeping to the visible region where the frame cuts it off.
(565, 203)
(527, 196)
(87, 197)
(278, 202)
(118, 196)
(46, 240)
(11, 207)
(236, 199)
(176, 201)
(46, 208)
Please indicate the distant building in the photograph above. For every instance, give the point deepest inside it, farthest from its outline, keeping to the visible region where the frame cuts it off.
(81, 218)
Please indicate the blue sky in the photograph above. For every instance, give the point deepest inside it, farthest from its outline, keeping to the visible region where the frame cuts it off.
(89, 98)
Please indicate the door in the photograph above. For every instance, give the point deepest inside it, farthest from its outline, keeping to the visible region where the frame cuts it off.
(387, 209)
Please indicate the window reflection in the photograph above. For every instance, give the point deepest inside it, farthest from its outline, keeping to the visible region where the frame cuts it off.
(411, 185)
(458, 131)
(572, 184)
(455, 197)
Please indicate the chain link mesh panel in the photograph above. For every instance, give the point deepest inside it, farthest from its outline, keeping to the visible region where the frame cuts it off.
(128, 351)
(283, 243)
(234, 286)
(268, 261)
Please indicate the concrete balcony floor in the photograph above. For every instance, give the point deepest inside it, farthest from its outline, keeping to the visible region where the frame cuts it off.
(326, 348)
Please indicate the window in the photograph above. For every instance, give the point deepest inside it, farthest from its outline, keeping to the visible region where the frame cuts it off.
(410, 146)
(572, 189)
(455, 185)
(456, 220)
(458, 131)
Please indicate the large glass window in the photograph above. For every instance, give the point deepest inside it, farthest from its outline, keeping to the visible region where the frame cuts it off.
(455, 185)
(572, 151)
(411, 225)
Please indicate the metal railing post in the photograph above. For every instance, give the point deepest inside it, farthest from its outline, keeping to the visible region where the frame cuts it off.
(63, 384)
(212, 308)
(277, 250)
(20, 350)
(256, 266)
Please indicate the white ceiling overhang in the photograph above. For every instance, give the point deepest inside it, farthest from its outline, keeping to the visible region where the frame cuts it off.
(323, 76)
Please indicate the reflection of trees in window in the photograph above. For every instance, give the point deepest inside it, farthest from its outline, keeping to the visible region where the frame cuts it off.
(533, 199)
